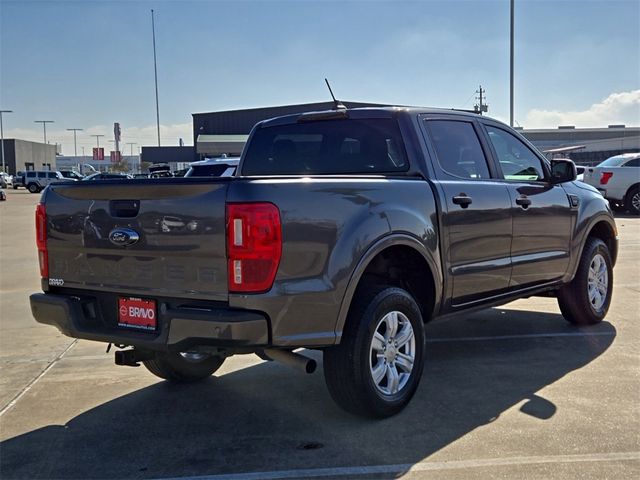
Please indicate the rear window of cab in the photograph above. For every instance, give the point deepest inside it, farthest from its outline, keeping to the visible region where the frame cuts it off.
(346, 146)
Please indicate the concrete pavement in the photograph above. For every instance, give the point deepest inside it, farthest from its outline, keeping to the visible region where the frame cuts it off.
(510, 392)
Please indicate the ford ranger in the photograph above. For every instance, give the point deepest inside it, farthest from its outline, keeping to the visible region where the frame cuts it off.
(343, 231)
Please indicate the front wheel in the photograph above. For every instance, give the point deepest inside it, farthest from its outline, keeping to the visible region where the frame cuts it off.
(183, 367)
(376, 368)
(586, 300)
(33, 188)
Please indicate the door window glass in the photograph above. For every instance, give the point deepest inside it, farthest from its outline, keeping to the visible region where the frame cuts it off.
(633, 163)
(517, 161)
(52, 175)
(42, 175)
(458, 149)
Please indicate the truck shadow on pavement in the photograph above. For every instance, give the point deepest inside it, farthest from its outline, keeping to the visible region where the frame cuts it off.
(268, 417)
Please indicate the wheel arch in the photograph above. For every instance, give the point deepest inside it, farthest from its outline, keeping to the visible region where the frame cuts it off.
(396, 250)
(605, 230)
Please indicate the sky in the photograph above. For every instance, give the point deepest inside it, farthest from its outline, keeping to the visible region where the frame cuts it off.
(87, 64)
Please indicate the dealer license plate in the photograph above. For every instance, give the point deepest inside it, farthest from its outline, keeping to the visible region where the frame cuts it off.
(137, 313)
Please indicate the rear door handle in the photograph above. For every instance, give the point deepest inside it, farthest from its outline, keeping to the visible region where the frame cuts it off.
(463, 200)
(523, 201)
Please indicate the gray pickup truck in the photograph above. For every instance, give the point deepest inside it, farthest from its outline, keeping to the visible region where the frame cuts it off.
(342, 231)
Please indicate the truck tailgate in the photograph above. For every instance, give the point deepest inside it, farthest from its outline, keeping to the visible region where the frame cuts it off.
(181, 250)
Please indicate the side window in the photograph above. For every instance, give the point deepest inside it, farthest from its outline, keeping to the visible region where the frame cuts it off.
(458, 149)
(517, 161)
(42, 174)
(31, 174)
(52, 175)
(633, 163)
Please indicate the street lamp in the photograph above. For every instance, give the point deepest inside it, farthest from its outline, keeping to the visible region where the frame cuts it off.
(44, 127)
(75, 146)
(97, 139)
(131, 144)
(2, 136)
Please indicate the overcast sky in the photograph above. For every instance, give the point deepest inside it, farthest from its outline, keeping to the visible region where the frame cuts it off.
(86, 64)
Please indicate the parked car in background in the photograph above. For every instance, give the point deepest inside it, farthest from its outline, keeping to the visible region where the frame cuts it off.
(618, 180)
(18, 180)
(106, 176)
(6, 180)
(213, 167)
(37, 180)
(71, 174)
(3, 196)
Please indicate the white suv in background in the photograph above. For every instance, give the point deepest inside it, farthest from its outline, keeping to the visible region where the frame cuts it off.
(618, 179)
(37, 180)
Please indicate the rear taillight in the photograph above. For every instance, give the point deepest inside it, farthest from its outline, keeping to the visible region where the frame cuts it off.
(41, 240)
(606, 176)
(254, 246)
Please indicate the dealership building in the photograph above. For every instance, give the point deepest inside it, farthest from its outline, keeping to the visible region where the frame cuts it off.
(226, 132)
(22, 155)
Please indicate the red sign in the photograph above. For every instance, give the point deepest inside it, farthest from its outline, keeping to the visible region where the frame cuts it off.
(137, 313)
(98, 153)
(116, 156)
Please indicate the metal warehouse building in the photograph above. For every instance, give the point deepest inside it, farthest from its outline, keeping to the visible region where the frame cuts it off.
(226, 132)
(218, 133)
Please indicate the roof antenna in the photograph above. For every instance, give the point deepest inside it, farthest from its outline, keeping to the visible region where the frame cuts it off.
(337, 104)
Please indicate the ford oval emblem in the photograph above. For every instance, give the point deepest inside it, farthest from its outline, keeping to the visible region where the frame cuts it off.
(123, 237)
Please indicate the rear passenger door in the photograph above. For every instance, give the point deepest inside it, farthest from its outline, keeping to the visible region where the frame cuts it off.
(476, 209)
(542, 215)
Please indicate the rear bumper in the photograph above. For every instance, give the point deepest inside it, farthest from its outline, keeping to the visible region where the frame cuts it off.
(179, 329)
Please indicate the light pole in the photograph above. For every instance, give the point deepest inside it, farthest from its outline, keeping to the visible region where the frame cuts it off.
(155, 72)
(97, 139)
(44, 127)
(511, 68)
(2, 136)
(131, 144)
(75, 146)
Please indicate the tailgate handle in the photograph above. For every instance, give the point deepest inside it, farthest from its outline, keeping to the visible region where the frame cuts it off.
(124, 208)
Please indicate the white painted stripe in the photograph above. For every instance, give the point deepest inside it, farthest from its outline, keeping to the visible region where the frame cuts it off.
(419, 467)
(526, 335)
(24, 391)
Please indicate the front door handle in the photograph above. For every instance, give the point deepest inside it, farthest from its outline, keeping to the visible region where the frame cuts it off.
(463, 200)
(523, 201)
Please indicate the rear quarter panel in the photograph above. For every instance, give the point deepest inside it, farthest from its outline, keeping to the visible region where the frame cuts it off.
(328, 226)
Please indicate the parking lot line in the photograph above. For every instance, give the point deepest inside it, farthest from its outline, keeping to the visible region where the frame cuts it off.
(419, 467)
(523, 336)
(23, 392)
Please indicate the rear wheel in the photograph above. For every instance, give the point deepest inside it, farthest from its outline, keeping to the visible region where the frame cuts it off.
(632, 201)
(586, 300)
(183, 367)
(376, 368)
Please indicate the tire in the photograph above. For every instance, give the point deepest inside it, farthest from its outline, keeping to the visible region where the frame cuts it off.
(349, 367)
(183, 367)
(577, 304)
(632, 201)
(33, 188)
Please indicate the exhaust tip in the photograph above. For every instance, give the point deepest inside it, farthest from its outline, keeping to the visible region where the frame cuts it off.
(311, 366)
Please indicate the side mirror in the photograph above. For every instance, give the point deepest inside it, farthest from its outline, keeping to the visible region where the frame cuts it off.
(563, 170)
